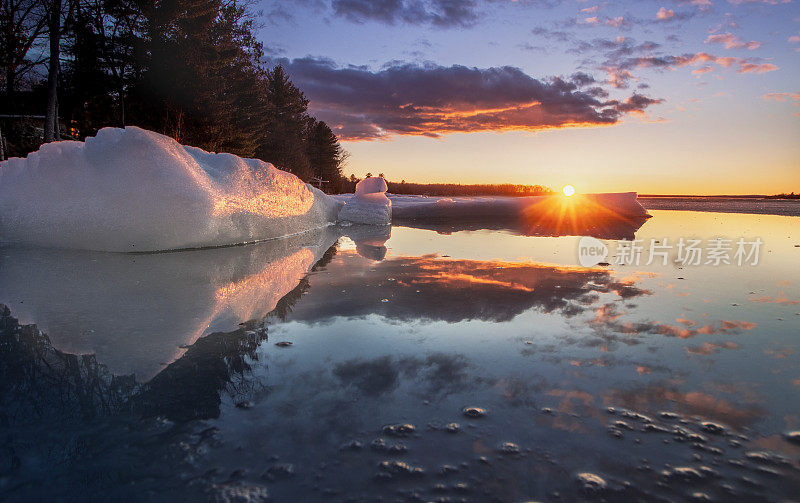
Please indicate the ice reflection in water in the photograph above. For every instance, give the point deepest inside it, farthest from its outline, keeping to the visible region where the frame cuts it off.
(614, 383)
(137, 312)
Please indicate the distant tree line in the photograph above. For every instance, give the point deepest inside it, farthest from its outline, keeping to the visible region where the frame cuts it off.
(190, 69)
(783, 196)
(453, 189)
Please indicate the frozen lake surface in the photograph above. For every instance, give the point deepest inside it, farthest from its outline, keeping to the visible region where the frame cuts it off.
(406, 364)
(786, 207)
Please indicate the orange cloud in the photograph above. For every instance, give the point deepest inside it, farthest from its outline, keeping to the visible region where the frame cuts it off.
(757, 68)
(779, 299)
(731, 41)
(616, 22)
(665, 13)
(619, 70)
(710, 348)
(779, 354)
(702, 70)
(769, 2)
(433, 100)
(782, 96)
(737, 324)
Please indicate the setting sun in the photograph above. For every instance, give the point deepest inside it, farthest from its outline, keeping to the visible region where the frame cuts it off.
(568, 190)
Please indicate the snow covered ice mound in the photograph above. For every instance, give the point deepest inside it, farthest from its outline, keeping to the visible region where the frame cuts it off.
(369, 205)
(371, 185)
(132, 190)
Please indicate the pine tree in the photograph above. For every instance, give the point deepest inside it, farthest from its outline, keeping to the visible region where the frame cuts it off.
(325, 154)
(190, 69)
(282, 141)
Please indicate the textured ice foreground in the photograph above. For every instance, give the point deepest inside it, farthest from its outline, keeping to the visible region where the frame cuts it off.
(369, 205)
(136, 190)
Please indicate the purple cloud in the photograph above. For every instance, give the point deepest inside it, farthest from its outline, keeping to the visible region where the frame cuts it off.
(433, 100)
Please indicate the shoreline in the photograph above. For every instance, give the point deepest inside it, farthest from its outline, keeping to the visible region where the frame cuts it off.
(753, 206)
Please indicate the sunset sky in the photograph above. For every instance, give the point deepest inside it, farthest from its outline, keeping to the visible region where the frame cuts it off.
(669, 96)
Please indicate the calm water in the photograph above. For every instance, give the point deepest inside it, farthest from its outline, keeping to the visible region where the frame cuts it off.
(405, 365)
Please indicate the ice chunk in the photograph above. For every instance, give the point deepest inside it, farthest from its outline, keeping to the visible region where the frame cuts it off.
(622, 204)
(360, 211)
(135, 190)
(371, 185)
(605, 216)
(374, 198)
(369, 205)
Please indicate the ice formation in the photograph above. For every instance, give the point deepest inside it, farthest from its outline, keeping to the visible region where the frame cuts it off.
(369, 205)
(135, 190)
(371, 185)
(137, 313)
(621, 204)
(605, 216)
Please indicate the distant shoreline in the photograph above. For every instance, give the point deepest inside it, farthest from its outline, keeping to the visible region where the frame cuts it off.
(755, 205)
(780, 197)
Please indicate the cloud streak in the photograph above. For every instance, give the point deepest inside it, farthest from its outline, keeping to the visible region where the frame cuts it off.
(442, 13)
(439, 13)
(433, 100)
(742, 65)
(769, 2)
(731, 41)
(795, 97)
(619, 72)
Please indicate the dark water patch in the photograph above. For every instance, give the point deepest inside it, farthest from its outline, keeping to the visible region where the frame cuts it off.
(279, 471)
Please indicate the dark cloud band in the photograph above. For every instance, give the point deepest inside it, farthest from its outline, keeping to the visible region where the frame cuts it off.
(431, 100)
(444, 13)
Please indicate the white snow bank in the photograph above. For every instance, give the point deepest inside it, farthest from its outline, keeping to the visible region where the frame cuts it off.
(136, 190)
(369, 205)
